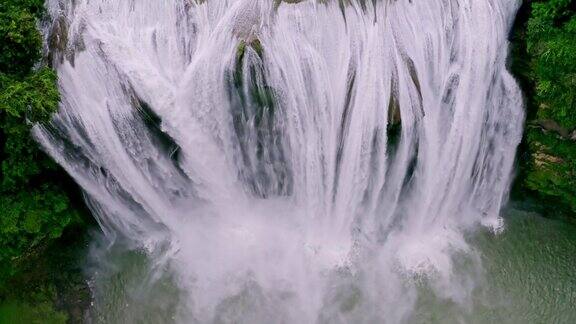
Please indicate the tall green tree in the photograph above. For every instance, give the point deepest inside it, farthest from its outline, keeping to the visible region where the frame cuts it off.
(549, 39)
(34, 205)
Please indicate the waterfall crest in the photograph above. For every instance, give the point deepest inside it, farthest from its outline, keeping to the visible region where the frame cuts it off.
(289, 162)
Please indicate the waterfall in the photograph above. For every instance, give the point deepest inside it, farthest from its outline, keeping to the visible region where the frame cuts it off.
(289, 162)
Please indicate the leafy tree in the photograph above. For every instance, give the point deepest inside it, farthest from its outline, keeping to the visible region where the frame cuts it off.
(548, 66)
(34, 205)
(21, 42)
(551, 42)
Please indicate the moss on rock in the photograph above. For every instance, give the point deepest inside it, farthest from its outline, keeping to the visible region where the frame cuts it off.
(544, 61)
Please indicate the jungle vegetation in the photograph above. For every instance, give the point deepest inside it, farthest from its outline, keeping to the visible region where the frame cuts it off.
(36, 196)
(544, 56)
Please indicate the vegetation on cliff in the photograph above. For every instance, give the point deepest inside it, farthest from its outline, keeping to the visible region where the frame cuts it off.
(35, 195)
(544, 60)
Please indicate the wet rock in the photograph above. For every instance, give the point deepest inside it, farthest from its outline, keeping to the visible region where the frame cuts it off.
(57, 40)
(247, 21)
(552, 126)
(540, 159)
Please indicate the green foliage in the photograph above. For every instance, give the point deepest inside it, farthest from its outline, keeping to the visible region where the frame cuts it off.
(34, 205)
(49, 278)
(545, 57)
(37, 309)
(35, 7)
(17, 312)
(20, 42)
(31, 218)
(35, 98)
(38, 263)
(553, 167)
(551, 43)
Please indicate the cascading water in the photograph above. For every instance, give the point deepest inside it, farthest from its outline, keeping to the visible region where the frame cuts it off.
(290, 162)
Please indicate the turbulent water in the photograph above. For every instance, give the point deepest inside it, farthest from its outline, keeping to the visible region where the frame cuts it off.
(529, 278)
(307, 162)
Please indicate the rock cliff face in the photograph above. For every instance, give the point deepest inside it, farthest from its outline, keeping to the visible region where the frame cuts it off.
(543, 60)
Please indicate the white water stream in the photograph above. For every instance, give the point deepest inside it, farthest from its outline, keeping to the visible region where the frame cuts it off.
(255, 150)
